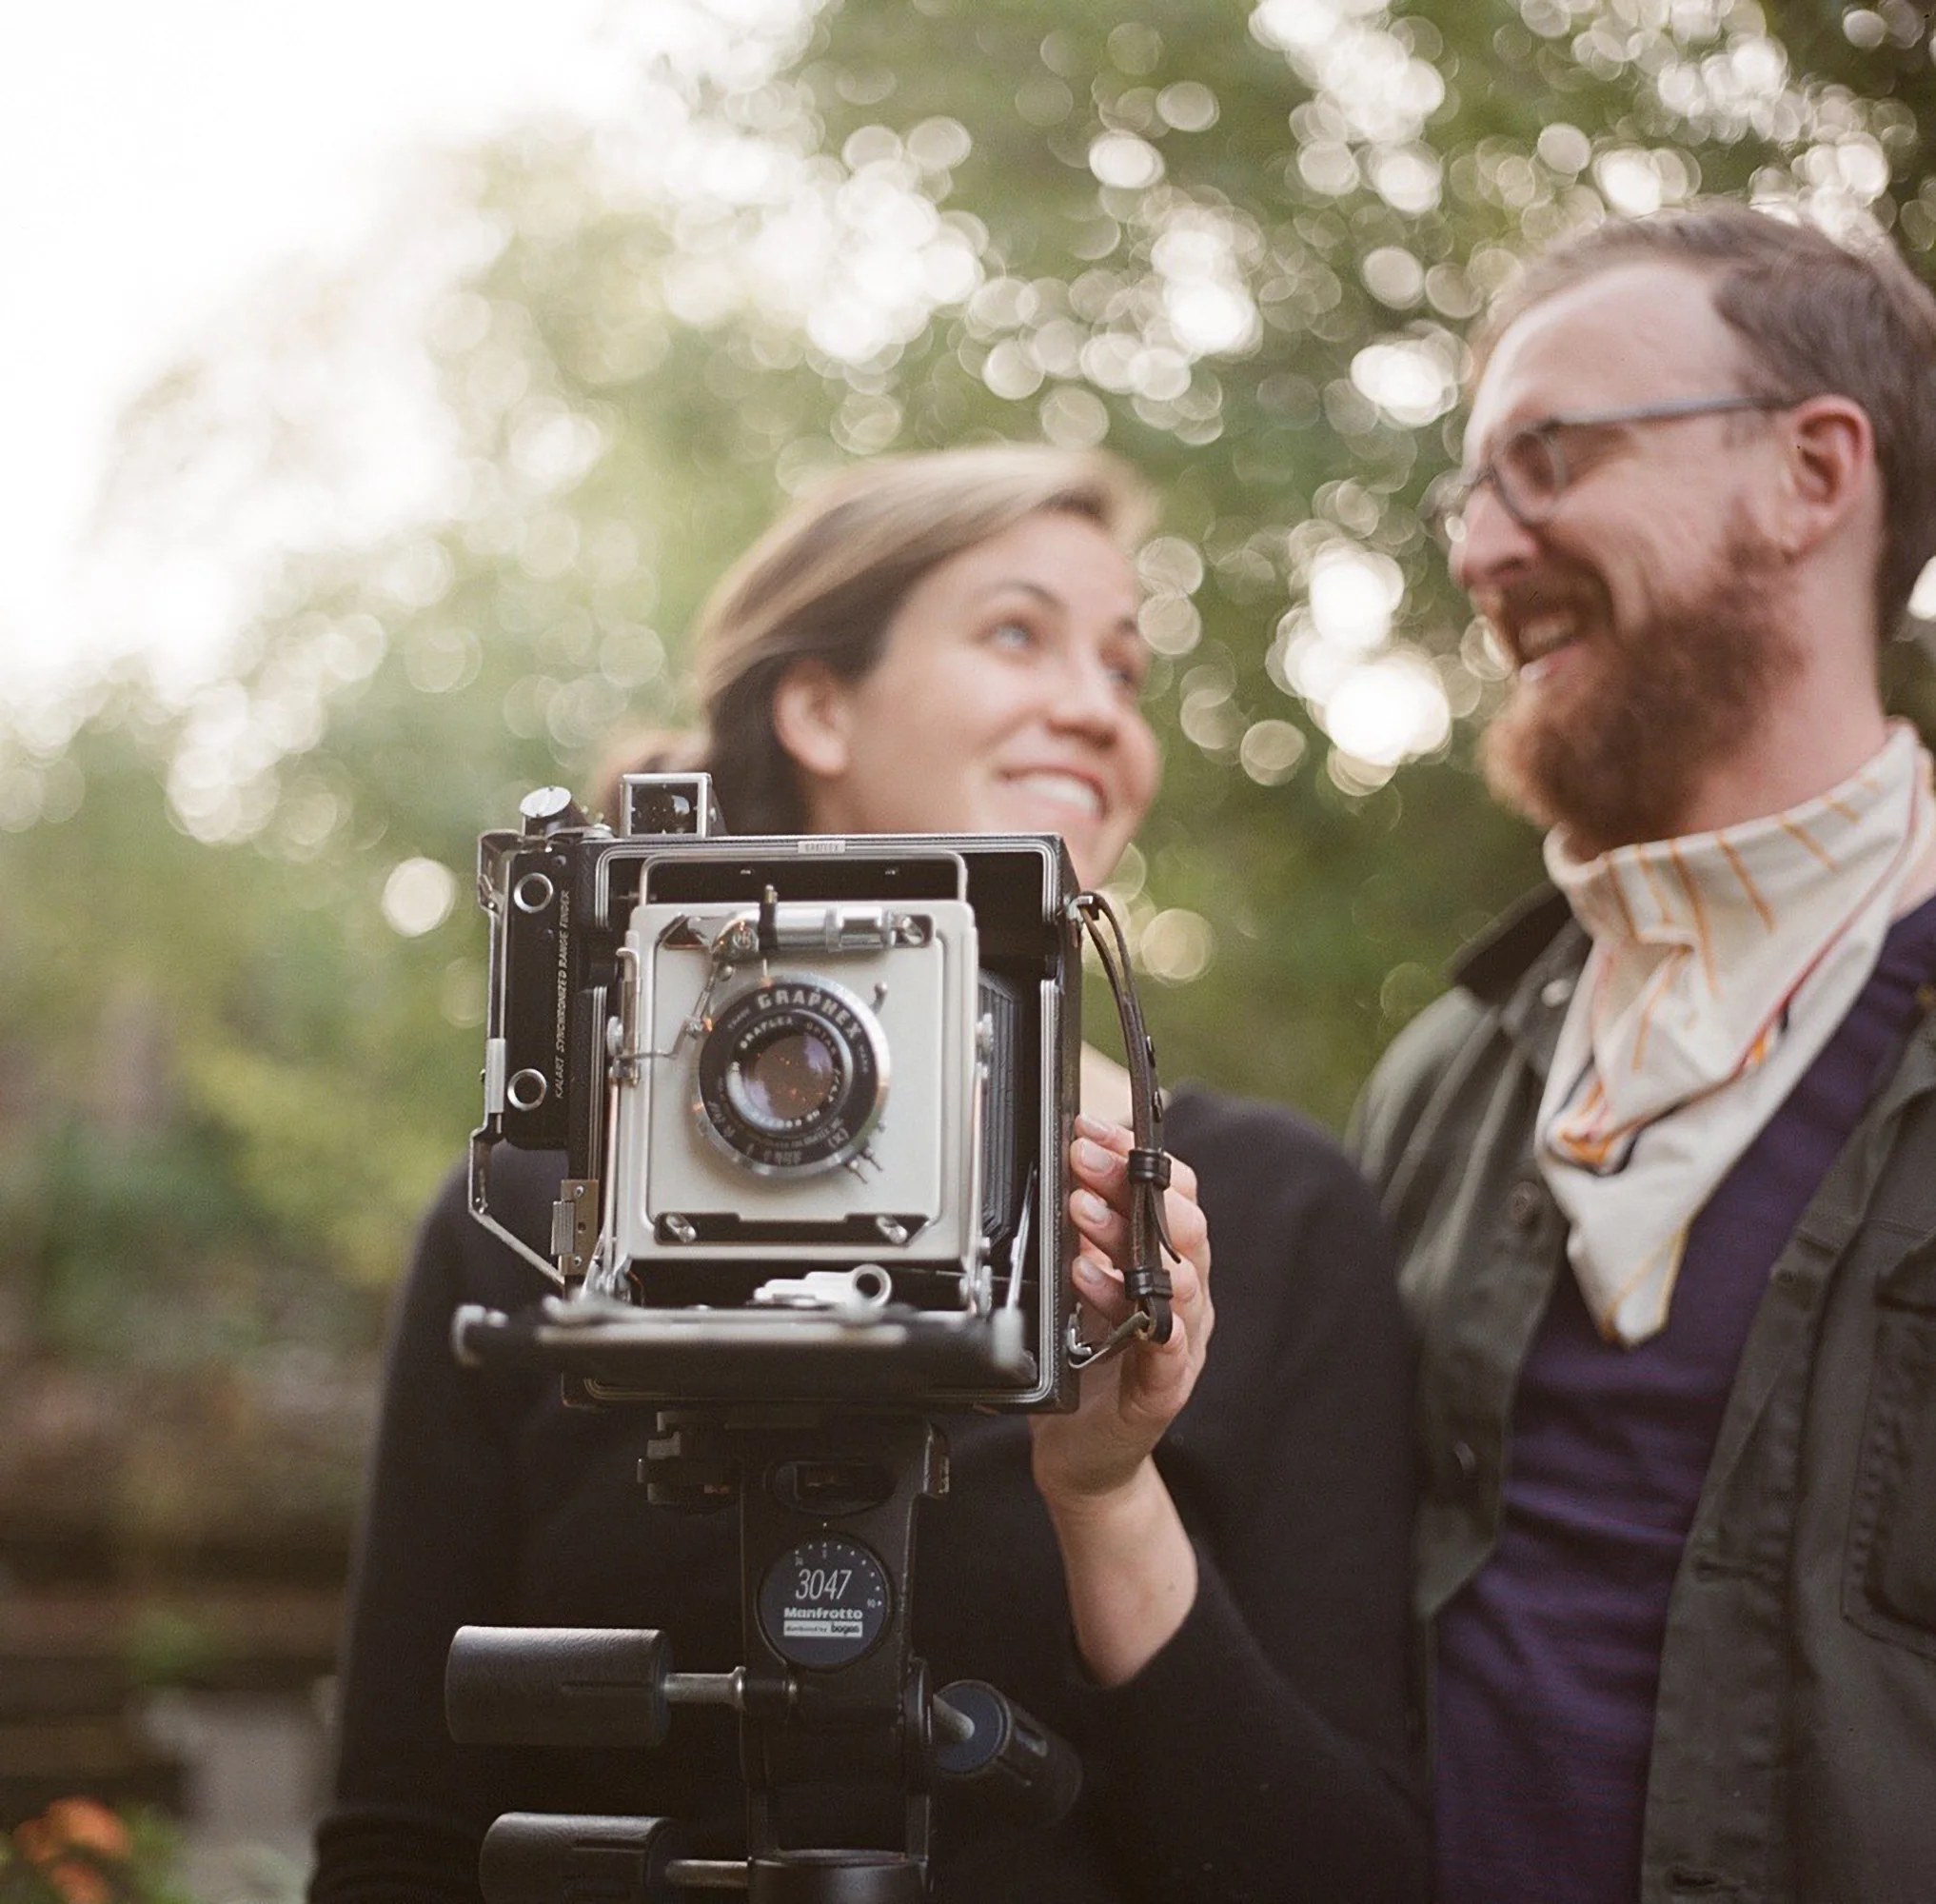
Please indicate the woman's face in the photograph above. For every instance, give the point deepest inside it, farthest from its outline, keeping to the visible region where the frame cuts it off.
(1004, 701)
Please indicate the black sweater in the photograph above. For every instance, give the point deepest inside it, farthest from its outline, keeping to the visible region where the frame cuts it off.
(1260, 1754)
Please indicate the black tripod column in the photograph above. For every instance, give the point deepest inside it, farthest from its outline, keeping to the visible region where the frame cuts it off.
(831, 1695)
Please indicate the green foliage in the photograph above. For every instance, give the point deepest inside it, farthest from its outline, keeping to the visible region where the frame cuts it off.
(1239, 243)
(223, 1090)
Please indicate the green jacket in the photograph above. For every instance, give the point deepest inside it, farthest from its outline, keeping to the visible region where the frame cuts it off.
(1794, 1755)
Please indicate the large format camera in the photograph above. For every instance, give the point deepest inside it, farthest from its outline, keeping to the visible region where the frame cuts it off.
(810, 1102)
(812, 1094)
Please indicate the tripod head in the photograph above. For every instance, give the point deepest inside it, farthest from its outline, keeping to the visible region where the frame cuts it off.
(829, 1695)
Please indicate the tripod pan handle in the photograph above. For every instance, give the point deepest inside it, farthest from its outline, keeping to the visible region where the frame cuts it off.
(535, 1858)
(983, 1739)
(556, 1685)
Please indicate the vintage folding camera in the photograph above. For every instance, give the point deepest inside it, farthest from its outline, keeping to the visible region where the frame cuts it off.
(810, 1100)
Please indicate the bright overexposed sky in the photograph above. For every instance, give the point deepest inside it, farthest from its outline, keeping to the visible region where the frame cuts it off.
(159, 157)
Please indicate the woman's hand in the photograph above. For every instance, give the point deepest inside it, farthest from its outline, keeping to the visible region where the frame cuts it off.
(1131, 1570)
(1129, 1401)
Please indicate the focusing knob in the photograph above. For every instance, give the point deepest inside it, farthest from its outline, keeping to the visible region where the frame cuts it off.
(550, 809)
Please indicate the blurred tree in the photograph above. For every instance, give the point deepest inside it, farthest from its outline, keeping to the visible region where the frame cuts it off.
(205, 1080)
(1239, 244)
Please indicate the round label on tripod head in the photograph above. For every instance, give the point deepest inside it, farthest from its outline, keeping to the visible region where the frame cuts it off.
(823, 1602)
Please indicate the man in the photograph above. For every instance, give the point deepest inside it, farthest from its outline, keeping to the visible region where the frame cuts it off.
(1663, 1168)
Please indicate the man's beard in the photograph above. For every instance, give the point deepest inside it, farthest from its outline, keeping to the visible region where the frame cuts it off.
(1619, 757)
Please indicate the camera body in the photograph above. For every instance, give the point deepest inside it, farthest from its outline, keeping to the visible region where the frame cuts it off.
(811, 1097)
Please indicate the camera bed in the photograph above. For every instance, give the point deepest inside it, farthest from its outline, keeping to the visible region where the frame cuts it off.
(620, 1354)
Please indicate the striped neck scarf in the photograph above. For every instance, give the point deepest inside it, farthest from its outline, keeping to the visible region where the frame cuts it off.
(1721, 965)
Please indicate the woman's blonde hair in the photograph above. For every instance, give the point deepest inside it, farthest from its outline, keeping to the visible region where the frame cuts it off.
(823, 583)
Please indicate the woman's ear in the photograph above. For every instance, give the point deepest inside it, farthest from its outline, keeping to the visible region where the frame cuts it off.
(811, 717)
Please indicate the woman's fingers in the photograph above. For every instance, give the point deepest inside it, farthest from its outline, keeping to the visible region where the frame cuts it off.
(1099, 1285)
(1114, 1143)
(1099, 1206)
(1153, 1379)
(1098, 1289)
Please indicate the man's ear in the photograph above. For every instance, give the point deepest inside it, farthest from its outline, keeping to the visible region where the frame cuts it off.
(1830, 465)
(812, 716)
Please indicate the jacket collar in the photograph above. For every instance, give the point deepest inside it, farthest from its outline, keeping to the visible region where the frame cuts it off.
(1524, 968)
(1493, 964)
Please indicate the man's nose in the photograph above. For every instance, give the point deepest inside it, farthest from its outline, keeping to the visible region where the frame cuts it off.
(1493, 540)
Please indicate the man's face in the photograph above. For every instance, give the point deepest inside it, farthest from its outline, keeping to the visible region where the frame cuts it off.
(1642, 617)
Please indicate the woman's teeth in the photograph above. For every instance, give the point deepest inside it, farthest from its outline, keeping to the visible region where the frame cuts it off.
(1060, 789)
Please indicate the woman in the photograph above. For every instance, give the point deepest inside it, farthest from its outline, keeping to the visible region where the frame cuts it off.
(949, 643)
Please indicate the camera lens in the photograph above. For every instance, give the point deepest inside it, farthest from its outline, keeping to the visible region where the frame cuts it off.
(785, 1082)
(792, 1076)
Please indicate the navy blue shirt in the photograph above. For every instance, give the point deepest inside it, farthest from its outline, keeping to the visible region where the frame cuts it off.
(1548, 1661)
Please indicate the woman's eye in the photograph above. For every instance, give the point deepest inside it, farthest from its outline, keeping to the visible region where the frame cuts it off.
(1015, 635)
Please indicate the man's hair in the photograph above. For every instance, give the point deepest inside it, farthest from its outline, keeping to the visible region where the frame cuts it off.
(1817, 318)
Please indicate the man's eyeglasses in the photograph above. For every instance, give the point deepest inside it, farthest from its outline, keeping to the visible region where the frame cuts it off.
(1529, 470)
